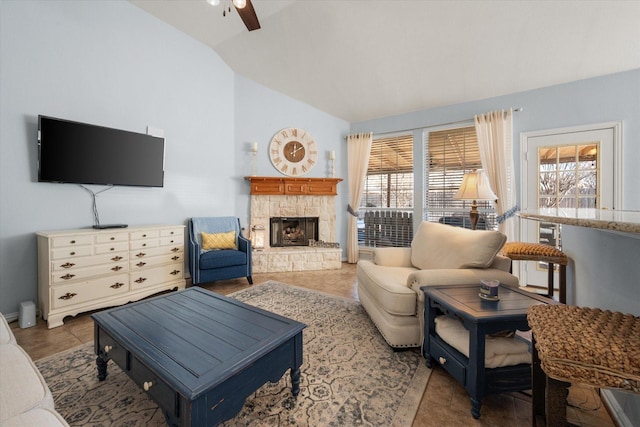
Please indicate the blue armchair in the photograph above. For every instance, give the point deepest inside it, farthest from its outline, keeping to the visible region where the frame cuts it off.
(218, 264)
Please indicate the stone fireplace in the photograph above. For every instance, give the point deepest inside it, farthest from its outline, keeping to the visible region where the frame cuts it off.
(295, 198)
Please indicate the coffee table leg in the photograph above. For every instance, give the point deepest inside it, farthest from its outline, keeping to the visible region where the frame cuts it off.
(475, 408)
(295, 381)
(102, 368)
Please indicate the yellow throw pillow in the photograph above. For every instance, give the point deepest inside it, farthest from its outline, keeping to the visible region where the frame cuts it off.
(219, 240)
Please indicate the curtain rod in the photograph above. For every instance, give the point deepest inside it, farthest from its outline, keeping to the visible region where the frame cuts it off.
(515, 110)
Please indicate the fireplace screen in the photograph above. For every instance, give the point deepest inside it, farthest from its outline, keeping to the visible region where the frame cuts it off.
(293, 231)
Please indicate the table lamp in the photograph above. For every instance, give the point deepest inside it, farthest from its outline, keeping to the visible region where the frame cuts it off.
(475, 186)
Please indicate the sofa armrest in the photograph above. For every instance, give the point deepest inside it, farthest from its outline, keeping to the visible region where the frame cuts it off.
(501, 263)
(392, 257)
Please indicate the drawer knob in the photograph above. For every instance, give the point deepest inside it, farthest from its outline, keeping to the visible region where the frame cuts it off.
(141, 264)
(175, 250)
(175, 258)
(67, 296)
(72, 253)
(116, 268)
(140, 254)
(108, 348)
(174, 272)
(116, 258)
(117, 285)
(147, 385)
(442, 360)
(68, 276)
(140, 279)
(73, 242)
(67, 265)
(113, 238)
(144, 235)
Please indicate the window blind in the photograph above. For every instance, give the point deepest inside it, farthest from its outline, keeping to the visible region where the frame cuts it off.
(449, 154)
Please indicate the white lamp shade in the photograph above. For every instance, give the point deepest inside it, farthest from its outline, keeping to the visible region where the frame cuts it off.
(475, 186)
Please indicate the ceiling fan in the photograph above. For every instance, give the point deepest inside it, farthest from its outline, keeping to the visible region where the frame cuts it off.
(245, 10)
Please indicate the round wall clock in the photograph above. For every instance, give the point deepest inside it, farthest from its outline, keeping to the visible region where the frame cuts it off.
(293, 151)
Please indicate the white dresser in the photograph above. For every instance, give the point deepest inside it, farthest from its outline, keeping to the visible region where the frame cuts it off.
(85, 269)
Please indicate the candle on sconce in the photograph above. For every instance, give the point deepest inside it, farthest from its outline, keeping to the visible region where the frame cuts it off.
(254, 147)
(332, 155)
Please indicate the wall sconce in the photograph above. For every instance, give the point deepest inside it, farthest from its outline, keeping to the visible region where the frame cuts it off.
(332, 161)
(475, 186)
(254, 153)
(257, 237)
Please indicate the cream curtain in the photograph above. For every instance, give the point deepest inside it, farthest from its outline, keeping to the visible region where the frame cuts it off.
(358, 151)
(495, 141)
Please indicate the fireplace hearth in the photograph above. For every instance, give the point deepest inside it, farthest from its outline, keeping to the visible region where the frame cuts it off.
(292, 231)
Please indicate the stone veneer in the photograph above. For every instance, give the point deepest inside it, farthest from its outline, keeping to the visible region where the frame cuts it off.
(297, 258)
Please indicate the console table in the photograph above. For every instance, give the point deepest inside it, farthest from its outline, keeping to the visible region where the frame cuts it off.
(85, 269)
(480, 318)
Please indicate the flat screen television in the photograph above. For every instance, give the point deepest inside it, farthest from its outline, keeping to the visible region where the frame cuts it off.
(81, 153)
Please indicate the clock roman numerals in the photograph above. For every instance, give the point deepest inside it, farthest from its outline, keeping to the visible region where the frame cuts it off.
(293, 151)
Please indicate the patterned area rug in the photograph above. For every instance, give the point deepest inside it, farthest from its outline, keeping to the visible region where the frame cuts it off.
(350, 376)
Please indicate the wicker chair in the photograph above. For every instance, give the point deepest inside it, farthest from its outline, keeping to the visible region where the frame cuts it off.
(599, 348)
(524, 251)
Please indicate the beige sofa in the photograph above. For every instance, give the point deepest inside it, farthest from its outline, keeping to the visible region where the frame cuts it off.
(389, 285)
(25, 399)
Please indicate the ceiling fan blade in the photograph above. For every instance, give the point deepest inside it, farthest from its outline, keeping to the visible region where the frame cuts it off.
(249, 17)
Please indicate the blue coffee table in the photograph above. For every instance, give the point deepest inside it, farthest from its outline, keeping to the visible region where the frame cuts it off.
(198, 354)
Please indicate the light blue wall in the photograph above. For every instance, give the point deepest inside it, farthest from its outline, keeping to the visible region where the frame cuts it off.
(260, 114)
(110, 63)
(605, 267)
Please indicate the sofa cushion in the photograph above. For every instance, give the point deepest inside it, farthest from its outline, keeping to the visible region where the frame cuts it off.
(21, 384)
(388, 287)
(438, 245)
(218, 240)
(36, 417)
(222, 258)
(6, 336)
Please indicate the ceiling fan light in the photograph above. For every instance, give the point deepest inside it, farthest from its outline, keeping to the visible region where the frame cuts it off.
(213, 2)
(240, 4)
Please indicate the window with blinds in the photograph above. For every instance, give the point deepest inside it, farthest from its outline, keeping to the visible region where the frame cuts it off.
(449, 154)
(386, 208)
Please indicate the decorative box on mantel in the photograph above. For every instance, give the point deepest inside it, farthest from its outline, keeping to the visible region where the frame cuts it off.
(288, 197)
(267, 185)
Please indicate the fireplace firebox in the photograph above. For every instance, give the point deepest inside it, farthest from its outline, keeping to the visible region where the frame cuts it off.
(292, 231)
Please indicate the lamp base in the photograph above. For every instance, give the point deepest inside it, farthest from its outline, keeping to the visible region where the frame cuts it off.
(474, 215)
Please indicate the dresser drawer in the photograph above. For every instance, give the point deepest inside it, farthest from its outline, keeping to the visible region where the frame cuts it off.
(112, 247)
(109, 238)
(70, 264)
(137, 264)
(110, 347)
(144, 234)
(71, 252)
(77, 293)
(157, 389)
(60, 277)
(172, 240)
(66, 241)
(152, 252)
(156, 275)
(450, 361)
(177, 232)
(143, 244)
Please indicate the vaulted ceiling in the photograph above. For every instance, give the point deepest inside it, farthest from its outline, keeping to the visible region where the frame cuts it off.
(361, 60)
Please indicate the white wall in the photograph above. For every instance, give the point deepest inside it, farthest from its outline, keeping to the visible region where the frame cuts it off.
(112, 64)
(605, 269)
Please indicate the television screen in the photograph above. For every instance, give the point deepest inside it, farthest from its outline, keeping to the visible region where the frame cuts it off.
(80, 153)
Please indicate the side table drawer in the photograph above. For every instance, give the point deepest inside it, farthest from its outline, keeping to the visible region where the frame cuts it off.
(448, 360)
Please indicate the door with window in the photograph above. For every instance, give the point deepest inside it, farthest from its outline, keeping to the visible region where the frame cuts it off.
(564, 168)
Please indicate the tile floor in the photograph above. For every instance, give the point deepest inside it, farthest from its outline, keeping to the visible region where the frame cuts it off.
(445, 402)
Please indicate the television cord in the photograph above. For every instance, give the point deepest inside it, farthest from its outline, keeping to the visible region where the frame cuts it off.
(94, 206)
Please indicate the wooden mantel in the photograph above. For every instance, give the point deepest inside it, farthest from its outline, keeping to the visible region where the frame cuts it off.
(268, 185)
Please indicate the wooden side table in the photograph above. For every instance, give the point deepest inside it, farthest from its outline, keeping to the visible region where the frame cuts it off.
(480, 318)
